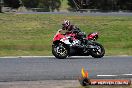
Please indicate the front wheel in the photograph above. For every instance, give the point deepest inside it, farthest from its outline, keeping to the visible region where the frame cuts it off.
(97, 52)
(60, 50)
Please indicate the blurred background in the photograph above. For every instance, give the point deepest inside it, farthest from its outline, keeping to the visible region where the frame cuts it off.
(65, 5)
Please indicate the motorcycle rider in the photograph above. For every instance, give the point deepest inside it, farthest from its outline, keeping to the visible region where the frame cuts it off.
(66, 25)
(67, 28)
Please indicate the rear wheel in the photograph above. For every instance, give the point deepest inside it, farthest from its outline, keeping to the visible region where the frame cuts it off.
(60, 51)
(98, 52)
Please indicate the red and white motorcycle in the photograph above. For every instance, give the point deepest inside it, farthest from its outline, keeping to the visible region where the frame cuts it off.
(77, 43)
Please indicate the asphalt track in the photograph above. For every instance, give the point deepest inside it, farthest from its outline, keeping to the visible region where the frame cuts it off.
(50, 68)
(82, 14)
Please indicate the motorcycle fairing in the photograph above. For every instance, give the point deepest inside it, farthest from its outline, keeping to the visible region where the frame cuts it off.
(92, 35)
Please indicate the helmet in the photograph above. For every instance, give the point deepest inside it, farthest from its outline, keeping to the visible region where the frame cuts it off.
(66, 23)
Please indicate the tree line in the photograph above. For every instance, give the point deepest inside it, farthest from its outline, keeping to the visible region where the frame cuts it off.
(51, 5)
(47, 5)
(103, 4)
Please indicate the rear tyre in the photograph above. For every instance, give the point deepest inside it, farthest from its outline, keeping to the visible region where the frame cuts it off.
(98, 52)
(60, 51)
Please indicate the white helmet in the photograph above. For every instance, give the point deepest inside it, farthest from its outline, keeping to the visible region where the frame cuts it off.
(66, 23)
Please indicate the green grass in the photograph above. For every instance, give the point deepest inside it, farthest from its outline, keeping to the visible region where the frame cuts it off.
(64, 5)
(33, 34)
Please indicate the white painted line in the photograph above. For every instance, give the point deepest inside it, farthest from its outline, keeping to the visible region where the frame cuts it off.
(26, 56)
(41, 57)
(127, 74)
(106, 75)
(114, 75)
(53, 56)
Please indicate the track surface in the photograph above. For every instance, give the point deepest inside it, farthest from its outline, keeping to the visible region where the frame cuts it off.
(50, 68)
(82, 14)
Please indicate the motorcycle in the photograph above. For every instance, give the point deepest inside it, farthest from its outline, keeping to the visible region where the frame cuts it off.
(76, 43)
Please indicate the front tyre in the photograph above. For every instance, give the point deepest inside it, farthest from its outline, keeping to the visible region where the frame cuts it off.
(98, 52)
(60, 51)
